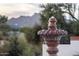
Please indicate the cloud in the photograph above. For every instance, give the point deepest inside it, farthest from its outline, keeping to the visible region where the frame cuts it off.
(15, 10)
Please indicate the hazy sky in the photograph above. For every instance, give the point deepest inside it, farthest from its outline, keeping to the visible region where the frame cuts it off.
(16, 10)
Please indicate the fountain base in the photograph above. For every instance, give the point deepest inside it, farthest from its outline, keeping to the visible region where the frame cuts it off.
(52, 47)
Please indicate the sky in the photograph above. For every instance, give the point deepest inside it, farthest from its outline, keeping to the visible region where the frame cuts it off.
(18, 9)
(22, 9)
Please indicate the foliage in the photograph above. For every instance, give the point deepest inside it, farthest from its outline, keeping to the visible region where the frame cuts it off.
(31, 34)
(14, 47)
(52, 10)
(59, 11)
(3, 19)
(33, 40)
(3, 25)
(19, 46)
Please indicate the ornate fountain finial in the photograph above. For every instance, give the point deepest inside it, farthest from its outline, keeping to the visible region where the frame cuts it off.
(52, 36)
(52, 23)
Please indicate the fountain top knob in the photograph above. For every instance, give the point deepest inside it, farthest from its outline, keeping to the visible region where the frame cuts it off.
(52, 19)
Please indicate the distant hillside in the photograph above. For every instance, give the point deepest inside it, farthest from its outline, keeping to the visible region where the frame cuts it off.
(24, 21)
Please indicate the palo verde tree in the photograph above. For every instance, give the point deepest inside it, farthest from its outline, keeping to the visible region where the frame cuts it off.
(59, 11)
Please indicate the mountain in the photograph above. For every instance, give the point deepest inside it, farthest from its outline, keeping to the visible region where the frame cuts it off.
(24, 21)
